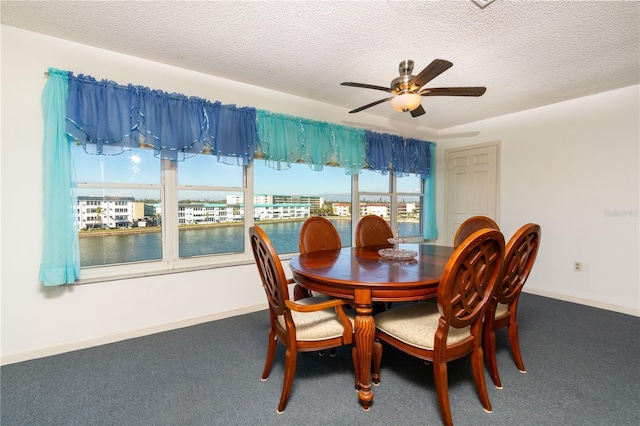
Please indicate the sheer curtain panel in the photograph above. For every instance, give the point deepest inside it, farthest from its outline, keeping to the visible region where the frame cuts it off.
(430, 227)
(60, 262)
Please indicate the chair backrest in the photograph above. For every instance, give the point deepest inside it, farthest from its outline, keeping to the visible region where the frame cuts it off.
(318, 233)
(521, 253)
(472, 225)
(372, 230)
(272, 274)
(470, 277)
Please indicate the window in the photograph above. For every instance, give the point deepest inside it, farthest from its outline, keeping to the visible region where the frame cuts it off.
(410, 199)
(396, 199)
(115, 195)
(138, 214)
(283, 199)
(211, 210)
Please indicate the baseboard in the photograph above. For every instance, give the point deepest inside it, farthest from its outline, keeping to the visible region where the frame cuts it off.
(89, 343)
(588, 302)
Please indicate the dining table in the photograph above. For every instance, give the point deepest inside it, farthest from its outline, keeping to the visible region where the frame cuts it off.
(361, 274)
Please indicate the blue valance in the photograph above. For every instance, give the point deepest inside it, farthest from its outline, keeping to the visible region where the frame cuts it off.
(378, 147)
(412, 156)
(386, 152)
(108, 118)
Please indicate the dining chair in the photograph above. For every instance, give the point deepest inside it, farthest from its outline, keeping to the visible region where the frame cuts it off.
(452, 328)
(372, 230)
(310, 324)
(521, 252)
(317, 233)
(472, 225)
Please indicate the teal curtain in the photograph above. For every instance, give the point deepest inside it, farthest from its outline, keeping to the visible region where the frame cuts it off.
(60, 253)
(349, 148)
(317, 144)
(285, 139)
(281, 140)
(430, 227)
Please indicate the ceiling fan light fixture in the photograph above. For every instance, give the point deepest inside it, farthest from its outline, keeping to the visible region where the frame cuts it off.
(406, 102)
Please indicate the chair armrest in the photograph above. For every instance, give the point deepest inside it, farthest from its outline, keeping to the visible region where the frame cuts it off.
(332, 303)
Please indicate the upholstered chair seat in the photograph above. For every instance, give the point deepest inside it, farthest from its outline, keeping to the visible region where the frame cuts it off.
(416, 325)
(501, 310)
(317, 325)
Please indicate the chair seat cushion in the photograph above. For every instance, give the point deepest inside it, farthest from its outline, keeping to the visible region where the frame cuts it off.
(314, 326)
(416, 324)
(501, 309)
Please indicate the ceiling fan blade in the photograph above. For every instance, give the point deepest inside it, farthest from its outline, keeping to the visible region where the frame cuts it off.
(434, 69)
(366, 86)
(370, 105)
(453, 91)
(417, 112)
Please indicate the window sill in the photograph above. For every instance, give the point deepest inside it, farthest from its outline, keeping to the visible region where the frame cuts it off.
(149, 269)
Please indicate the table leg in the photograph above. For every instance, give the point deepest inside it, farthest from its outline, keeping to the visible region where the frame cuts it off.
(364, 335)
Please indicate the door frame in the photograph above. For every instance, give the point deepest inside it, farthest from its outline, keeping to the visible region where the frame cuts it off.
(498, 145)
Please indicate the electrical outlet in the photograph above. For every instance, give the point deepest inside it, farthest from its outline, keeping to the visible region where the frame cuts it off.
(577, 266)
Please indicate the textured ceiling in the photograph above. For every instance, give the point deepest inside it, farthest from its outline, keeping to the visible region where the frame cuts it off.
(527, 54)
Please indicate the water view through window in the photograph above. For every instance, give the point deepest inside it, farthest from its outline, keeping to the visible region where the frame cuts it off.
(114, 249)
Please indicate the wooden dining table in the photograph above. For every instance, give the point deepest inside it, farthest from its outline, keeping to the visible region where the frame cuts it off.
(362, 275)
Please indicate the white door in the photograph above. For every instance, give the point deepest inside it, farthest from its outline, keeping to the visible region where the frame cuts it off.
(471, 185)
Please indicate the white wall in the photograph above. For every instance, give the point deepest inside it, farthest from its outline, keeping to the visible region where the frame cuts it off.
(550, 175)
(38, 321)
(567, 167)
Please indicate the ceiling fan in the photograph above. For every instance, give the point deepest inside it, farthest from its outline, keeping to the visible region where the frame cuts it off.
(409, 88)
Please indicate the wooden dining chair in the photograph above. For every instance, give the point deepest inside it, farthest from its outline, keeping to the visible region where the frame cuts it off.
(521, 252)
(309, 324)
(372, 230)
(472, 225)
(452, 328)
(317, 233)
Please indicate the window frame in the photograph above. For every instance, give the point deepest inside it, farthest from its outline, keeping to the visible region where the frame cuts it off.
(393, 194)
(171, 261)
